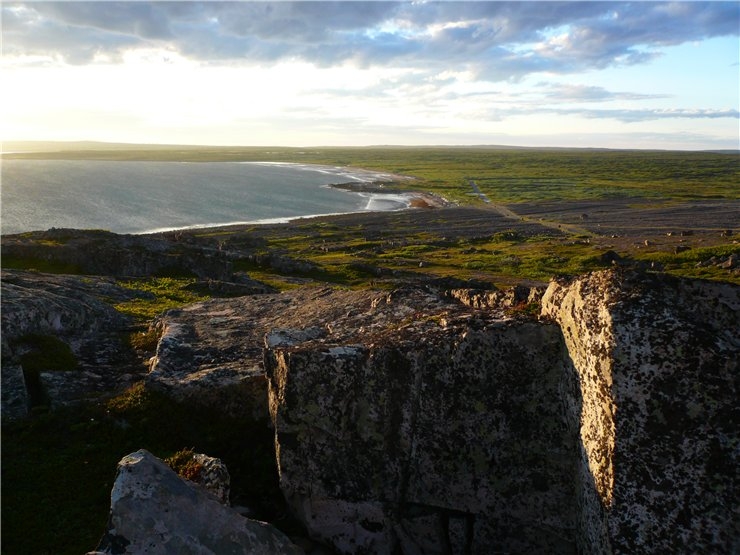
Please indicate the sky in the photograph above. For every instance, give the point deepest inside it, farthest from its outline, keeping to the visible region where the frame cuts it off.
(560, 74)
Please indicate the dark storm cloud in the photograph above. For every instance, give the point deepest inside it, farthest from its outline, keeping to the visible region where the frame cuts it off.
(495, 40)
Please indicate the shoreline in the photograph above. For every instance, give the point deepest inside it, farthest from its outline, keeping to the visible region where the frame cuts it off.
(381, 192)
(413, 200)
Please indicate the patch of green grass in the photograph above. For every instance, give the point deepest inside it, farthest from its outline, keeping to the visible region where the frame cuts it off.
(687, 263)
(58, 468)
(144, 340)
(166, 293)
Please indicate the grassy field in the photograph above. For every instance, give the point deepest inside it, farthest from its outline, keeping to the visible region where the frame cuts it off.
(506, 175)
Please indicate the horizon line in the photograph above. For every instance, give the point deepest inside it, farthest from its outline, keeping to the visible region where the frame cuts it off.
(84, 142)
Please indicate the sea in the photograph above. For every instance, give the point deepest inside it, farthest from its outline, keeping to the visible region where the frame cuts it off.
(145, 197)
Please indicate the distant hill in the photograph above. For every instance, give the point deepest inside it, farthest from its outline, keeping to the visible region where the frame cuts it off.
(99, 146)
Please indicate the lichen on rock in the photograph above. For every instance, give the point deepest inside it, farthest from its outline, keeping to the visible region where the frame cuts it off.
(610, 426)
(153, 510)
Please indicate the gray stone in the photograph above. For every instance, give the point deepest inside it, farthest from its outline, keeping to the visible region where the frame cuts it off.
(210, 353)
(439, 429)
(213, 477)
(610, 426)
(76, 311)
(155, 511)
(657, 360)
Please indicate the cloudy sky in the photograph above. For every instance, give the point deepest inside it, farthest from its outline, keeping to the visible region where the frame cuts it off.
(602, 74)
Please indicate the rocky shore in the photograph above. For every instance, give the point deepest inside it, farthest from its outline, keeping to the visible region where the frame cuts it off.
(416, 199)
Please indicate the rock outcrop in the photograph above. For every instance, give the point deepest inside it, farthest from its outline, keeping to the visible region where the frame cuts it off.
(610, 426)
(98, 252)
(211, 352)
(657, 361)
(438, 429)
(155, 511)
(70, 309)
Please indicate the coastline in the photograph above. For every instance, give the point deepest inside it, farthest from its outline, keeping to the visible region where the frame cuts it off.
(412, 200)
(378, 187)
(376, 191)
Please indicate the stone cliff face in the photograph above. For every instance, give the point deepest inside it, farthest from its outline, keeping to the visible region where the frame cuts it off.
(657, 364)
(608, 427)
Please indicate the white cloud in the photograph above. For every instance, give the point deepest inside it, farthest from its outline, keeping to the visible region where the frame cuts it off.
(434, 70)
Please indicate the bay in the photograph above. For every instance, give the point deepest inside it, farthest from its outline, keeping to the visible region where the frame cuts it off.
(140, 197)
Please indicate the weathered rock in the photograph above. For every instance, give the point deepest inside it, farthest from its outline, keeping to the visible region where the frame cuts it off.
(34, 302)
(212, 371)
(439, 429)
(213, 476)
(211, 352)
(155, 511)
(70, 309)
(436, 428)
(498, 299)
(97, 252)
(657, 359)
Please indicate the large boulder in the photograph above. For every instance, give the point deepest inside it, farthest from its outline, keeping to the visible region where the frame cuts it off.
(657, 361)
(608, 426)
(155, 511)
(425, 426)
(210, 353)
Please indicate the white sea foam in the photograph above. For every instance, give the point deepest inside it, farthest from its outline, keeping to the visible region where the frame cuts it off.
(375, 203)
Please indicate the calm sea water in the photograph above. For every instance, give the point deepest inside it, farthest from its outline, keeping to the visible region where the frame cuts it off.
(137, 197)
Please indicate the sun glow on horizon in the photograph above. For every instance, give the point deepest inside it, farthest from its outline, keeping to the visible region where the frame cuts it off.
(390, 85)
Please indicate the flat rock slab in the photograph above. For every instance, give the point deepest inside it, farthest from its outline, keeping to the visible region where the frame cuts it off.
(212, 352)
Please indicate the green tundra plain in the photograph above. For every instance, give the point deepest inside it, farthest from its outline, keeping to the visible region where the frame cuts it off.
(484, 214)
(674, 209)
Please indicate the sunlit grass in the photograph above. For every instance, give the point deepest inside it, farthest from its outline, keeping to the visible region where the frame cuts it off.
(165, 293)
